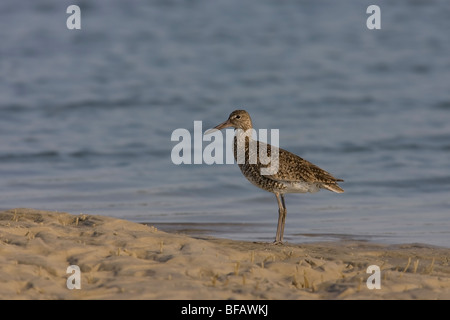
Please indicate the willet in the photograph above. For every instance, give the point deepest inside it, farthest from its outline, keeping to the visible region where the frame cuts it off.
(294, 174)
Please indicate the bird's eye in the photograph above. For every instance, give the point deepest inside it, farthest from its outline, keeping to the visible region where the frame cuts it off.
(237, 117)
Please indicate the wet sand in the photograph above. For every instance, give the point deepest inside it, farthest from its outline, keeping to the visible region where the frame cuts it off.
(119, 259)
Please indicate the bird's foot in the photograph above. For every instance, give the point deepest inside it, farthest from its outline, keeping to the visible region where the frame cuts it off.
(277, 243)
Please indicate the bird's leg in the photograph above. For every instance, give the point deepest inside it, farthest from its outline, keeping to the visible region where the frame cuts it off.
(281, 218)
(284, 216)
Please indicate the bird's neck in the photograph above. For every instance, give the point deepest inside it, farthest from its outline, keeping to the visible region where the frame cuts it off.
(242, 141)
(241, 134)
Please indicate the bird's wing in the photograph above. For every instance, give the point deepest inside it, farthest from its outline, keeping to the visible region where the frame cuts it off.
(292, 168)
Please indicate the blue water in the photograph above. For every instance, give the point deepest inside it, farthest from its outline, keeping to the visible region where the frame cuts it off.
(86, 116)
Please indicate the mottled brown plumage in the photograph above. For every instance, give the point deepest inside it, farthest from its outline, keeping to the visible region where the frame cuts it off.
(294, 174)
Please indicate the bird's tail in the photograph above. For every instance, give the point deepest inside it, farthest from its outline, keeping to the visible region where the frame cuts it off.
(333, 187)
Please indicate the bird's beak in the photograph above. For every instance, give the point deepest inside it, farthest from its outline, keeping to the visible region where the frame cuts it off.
(225, 124)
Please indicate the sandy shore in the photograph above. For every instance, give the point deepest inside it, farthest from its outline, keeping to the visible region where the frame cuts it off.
(119, 259)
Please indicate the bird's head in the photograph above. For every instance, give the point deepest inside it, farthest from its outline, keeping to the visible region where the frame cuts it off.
(238, 119)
